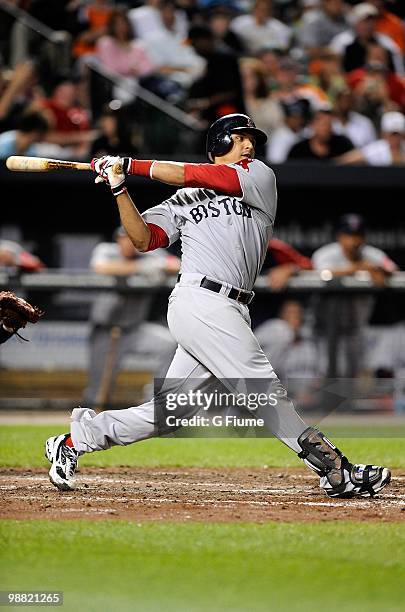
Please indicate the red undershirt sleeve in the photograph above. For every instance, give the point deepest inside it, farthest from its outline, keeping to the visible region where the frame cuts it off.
(285, 253)
(158, 237)
(219, 177)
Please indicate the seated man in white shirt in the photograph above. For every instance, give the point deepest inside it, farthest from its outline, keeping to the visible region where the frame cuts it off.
(259, 28)
(296, 115)
(172, 56)
(348, 256)
(147, 20)
(348, 122)
(389, 150)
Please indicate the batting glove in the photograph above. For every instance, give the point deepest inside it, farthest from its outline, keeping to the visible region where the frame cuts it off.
(104, 166)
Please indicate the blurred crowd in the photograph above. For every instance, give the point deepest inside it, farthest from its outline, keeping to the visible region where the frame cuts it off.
(324, 78)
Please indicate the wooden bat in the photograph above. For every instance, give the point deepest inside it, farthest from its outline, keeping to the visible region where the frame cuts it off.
(107, 378)
(21, 163)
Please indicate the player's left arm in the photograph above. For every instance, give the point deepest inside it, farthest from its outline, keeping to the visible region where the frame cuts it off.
(221, 178)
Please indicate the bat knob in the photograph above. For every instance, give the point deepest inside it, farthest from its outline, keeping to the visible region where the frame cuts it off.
(117, 168)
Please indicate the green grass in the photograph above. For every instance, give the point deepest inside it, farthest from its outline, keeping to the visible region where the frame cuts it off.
(22, 446)
(116, 565)
(194, 567)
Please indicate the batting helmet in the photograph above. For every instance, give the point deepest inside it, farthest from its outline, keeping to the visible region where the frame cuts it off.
(219, 141)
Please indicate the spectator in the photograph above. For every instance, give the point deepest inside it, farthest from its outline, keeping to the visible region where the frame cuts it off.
(69, 122)
(94, 17)
(318, 33)
(219, 90)
(261, 106)
(172, 57)
(282, 262)
(326, 74)
(119, 52)
(220, 20)
(289, 343)
(297, 114)
(126, 313)
(16, 94)
(258, 28)
(270, 60)
(352, 45)
(346, 257)
(13, 255)
(114, 138)
(389, 150)
(309, 11)
(323, 145)
(146, 20)
(347, 122)
(32, 129)
(289, 86)
(389, 24)
(375, 86)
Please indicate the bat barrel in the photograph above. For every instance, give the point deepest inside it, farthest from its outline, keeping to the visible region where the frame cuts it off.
(22, 163)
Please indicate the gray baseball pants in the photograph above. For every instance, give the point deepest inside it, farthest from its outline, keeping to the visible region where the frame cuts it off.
(215, 341)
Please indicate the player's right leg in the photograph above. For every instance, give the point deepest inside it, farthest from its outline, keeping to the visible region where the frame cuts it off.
(93, 432)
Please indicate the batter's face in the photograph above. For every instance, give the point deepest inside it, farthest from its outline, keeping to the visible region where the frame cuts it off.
(243, 148)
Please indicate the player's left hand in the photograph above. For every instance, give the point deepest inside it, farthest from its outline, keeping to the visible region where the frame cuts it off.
(104, 166)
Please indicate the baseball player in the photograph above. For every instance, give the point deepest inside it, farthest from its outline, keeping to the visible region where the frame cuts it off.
(224, 214)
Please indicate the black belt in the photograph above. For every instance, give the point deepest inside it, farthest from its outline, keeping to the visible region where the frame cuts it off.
(244, 297)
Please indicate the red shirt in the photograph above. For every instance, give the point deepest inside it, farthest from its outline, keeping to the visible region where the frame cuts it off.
(71, 119)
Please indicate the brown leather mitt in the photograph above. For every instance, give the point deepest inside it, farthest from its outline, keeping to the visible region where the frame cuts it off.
(15, 312)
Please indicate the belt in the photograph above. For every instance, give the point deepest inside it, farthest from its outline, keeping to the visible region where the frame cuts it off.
(244, 297)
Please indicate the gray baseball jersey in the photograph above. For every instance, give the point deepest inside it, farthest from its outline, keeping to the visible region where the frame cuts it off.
(223, 237)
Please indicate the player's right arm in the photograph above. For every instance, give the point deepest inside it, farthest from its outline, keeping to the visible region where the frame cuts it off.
(135, 226)
(146, 235)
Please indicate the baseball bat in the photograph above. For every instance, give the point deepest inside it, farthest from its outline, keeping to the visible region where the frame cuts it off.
(21, 163)
(107, 377)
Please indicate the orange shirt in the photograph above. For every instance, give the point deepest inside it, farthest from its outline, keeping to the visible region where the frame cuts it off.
(98, 18)
(392, 26)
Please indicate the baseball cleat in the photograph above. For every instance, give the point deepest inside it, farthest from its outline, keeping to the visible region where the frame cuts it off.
(359, 481)
(64, 462)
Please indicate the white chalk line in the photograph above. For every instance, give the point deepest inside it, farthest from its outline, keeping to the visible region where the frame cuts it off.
(363, 504)
(225, 487)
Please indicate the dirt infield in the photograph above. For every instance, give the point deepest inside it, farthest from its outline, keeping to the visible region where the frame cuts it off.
(193, 494)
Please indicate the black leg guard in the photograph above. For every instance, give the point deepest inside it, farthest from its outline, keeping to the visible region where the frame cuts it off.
(339, 477)
(323, 457)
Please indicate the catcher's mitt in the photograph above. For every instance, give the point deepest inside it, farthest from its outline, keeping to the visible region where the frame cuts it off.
(16, 312)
